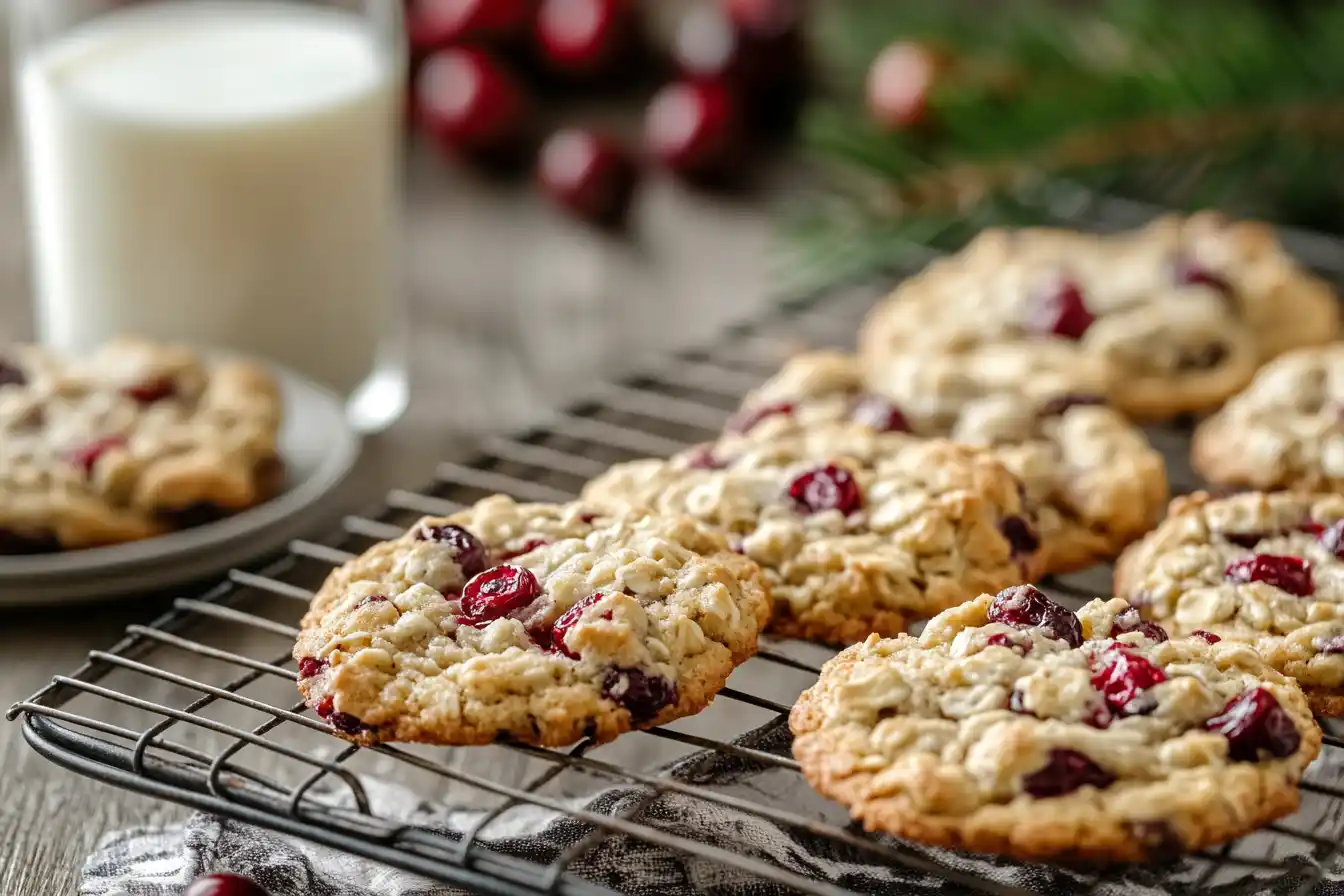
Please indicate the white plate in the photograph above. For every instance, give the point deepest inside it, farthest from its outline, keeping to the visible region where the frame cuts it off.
(318, 448)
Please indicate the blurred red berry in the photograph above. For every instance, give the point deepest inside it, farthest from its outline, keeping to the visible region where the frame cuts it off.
(692, 127)
(586, 38)
(765, 17)
(225, 885)
(899, 83)
(589, 175)
(471, 105)
(432, 24)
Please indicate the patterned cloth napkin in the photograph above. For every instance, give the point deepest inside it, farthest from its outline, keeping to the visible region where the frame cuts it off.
(160, 862)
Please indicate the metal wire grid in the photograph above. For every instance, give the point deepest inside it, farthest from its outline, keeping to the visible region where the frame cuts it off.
(193, 749)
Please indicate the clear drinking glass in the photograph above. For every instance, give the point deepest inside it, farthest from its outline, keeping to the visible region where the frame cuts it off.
(224, 173)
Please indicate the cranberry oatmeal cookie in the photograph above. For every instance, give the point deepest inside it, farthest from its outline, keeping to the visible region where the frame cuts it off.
(1286, 430)
(1014, 726)
(1182, 311)
(1263, 569)
(1094, 480)
(542, 623)
(129, 442)
(851, 548)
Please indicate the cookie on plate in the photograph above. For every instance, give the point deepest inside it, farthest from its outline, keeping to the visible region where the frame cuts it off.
(540, 623)
(1014, 726)
(851, 548)
(1182, 311)
(1093, 478)
(1284, 431)
(1263, 569)
(130, 441)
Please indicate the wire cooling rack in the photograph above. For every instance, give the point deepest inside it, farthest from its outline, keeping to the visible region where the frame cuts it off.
(199, 706)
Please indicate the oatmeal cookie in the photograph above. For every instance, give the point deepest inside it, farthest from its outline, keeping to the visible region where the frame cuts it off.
(1014, 726)
(1286, 430)
(542, 623)
(1182, 311)
(1094, 480)
(1263, 569)
(850, 548)
(131, 441)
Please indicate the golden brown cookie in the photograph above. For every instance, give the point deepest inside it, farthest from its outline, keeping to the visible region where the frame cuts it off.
(540, 623)
(1014, 726)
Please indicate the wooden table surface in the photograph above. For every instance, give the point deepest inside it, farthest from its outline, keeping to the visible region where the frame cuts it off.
(514, 307)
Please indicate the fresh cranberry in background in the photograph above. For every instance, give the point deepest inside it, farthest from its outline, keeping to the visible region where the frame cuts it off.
(587, 39)
(434, 24)
(693, 128)
(472, 106)
(589, 175)
(225, 885)
(900, 81)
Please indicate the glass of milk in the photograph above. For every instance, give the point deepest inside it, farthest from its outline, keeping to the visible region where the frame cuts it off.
(224, 173)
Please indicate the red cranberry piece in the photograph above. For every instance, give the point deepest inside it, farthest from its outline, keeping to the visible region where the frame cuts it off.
(1122, 677)
(829, 488)
(471, 105)
(999, 639)
(1332, 539)
(1255, 721)
(877, 413)
(87, 456)
(899, 85)
(311, 666)
(1060, 404)
(1020, 536)
(644, 695)
(588, 175)
(1331, 645)
(498, 592)
(151, 391)
(371, 599)
(341, 721)
(746, 419)
(569, 619)
(1188, 272)
(468, 551)
(701, 457)
(1291, 574)
(11, 375)
(225, 885)
(693, 128)
(1099, 715)
(527, 547)
(1206, 637)
(586, 37)
(763, 17)
(1129, 621)
(1064, 772)
(432, 24)
(1245, 539)
(1062, 312)
(1025, 607)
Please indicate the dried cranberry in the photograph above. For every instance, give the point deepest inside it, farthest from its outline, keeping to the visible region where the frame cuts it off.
(1020, 536)
(468, 551)
(1188, 272)
(526, 547)
(1025, 607)
(877, 413)
(1291, 574)
(225, 885)
(372, 599)
(829, 488)
(498, 592)
(1332, 539)
(701, 457)
(999, 639)
(1246, 540)
(644, 695)
(88, 455)
(1311, 527)
(1253, 722)
(1062, 312)
(746, 419)
(1122, 677)
(1129, 621)
(311, 666)
(1207, 637)
(1062, 403)
(1331, 645)
(568, 620)
(1064, 772)
(151, 391)
(341, 721)
(10, 375)
(1098, 715)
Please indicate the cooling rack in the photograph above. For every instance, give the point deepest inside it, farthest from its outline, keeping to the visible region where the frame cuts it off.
(199, 705)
